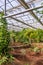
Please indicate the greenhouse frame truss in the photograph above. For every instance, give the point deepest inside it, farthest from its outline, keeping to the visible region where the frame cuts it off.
(24, 14)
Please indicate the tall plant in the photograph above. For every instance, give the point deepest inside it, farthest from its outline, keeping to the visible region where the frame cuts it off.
(4, 39)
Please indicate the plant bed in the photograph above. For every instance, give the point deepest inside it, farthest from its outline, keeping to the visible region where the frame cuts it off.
(30, 58)
(27, 56)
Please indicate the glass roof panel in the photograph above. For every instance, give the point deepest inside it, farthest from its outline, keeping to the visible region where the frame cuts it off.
(14, 7)
(15, 3)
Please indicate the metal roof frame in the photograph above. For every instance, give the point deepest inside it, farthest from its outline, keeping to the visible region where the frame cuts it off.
(17, 19)
(24, 4)
(15, 25)
(23, 22)
(28, 9)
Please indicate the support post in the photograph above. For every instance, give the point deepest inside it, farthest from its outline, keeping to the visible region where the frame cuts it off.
(5, 8)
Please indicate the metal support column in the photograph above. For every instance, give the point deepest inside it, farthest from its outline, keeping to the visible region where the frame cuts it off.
(5, 7)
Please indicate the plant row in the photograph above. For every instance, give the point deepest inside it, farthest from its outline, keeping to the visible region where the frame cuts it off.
(27, 36)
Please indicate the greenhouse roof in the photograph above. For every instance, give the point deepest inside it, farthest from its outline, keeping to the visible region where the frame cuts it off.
(22, 13)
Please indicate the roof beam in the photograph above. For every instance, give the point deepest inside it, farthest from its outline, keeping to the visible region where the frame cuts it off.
(24, 4)
(15, 25)
(23, 22)
(10, 3)
(27, 10)
(22, 13)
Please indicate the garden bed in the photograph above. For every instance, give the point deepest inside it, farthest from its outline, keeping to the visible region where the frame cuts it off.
(27, 57)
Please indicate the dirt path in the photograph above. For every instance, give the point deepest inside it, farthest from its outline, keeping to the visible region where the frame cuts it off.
(27, 57)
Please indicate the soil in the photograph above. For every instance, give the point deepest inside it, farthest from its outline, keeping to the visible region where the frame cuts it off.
(27, 57)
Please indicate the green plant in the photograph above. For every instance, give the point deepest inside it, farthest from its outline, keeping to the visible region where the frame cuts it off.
(6, 59)
(37, 50)
(4, 36)
(28, 36)
(4, 41)
(27, 64)
(3, 60)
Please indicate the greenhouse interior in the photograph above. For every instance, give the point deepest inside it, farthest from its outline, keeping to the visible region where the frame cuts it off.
(21, 32)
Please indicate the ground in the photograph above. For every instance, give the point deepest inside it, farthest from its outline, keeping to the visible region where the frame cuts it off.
(27, 57)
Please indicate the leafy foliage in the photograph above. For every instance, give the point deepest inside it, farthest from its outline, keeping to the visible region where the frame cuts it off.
(3, 60)
(4, 36)
(4, 40)
(28, 35)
